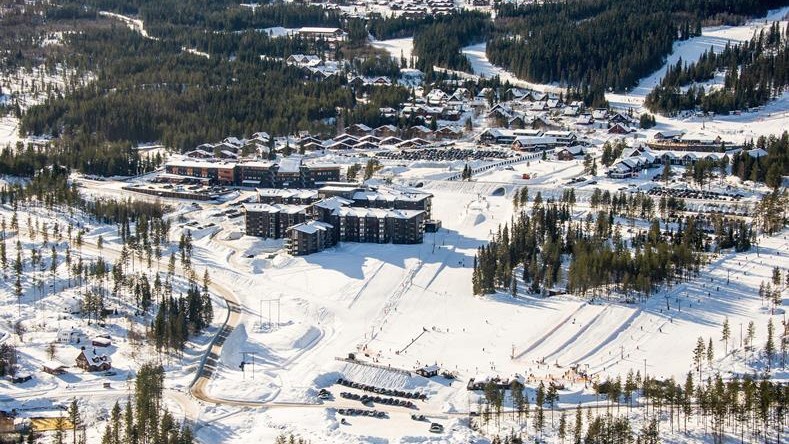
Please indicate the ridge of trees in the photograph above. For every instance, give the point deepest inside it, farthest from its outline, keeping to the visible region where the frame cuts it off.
(602, 44)
(755, 72)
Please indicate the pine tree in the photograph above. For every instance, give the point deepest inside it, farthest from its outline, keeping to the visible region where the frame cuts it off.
(698, 355)
(710, 353)
(60, 427)
(769, 346)
(74, 417)
(578, 425)
(750, 334)
(725, 335)
(563, 427)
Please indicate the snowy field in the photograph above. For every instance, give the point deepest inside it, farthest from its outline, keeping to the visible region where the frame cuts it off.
(397, 48)
(408, 306)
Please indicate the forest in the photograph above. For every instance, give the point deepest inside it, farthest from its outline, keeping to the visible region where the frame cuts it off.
(603, 44)
(747, 408)
(755, 72)
(601, 260)
(768, 168)
(439, 43)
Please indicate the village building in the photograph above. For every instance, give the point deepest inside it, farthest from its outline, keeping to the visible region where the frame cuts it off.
(53, 367)
(428, 371)
(90, 361)
(570, 152)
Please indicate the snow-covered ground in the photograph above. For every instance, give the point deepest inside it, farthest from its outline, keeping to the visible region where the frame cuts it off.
(397, 48)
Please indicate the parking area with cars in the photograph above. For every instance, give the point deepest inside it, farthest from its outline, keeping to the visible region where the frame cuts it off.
(446, 154)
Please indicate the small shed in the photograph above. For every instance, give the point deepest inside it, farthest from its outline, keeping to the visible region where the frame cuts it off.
(428, 371)
(53, 368)
(101, 342)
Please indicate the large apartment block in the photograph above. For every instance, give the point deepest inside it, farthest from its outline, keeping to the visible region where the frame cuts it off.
(290, 172)
(369, 215)
(272, 221)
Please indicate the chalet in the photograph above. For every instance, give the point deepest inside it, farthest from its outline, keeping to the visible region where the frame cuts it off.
(449, 132)
(498, 136)
(391, 140)
(619, 128)
(359, 130)
(199, 154)
(428, 371)
(385, 131)
(307, 140)
(631, 164)
(420, 131)
(260, 137)
(365, 146)
(668, 135)
(570, 152)
(313, 146)
(350, 139)
(517, 122)
(341, 145)
(303, 60)
(90, 361)
(412, 143)
(436, 97)
(461, 95)
(622, 119)
(584, 120)
(757, 153)
(371, 139)
(538, 106)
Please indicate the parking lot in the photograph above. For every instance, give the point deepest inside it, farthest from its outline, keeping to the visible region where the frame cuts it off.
(446, 154)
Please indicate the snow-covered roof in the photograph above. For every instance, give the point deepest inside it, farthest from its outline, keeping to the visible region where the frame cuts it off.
(52, 364)
(274, 208)
(311, 227)
(287, 193)
(379, 213)
(184, 163)
(757, 152)
(290, 164)
(534, 140)
(333, 203)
